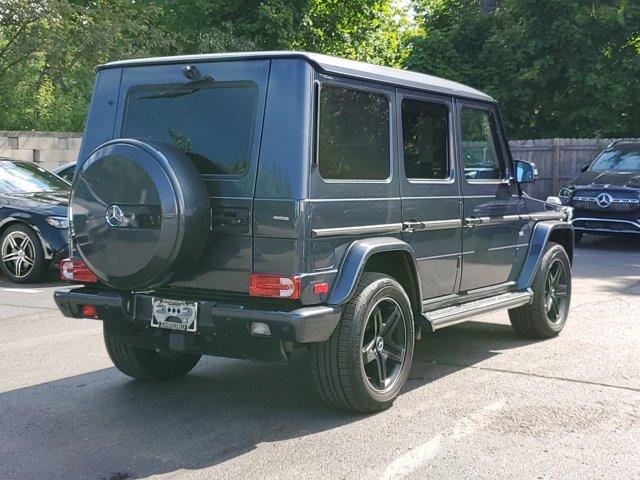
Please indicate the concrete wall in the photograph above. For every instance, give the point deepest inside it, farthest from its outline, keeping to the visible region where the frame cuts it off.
(47, 149)
(558, 159)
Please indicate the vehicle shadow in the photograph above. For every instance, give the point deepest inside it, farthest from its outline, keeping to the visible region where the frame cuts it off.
(51, 280)
(103, 425)
(593, 262)
(604, 243)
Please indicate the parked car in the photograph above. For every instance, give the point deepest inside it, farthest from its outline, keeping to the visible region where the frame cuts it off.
(606, 195)
(33, 220)
(250, 204)
(66, 171)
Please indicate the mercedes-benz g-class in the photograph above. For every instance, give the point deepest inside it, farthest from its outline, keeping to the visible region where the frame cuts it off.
(245, 205)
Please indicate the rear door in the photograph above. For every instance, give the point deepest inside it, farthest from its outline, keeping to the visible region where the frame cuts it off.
(218, 126)
(431, 202)
(490, 198)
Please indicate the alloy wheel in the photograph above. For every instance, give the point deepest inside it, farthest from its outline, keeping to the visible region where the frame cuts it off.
(384, 344)
(555, 291)
(18, 254)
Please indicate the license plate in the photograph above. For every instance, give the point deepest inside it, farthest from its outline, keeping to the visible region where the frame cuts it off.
(174, 315)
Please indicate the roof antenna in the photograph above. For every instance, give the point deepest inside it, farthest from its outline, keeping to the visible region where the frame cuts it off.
(191, 72)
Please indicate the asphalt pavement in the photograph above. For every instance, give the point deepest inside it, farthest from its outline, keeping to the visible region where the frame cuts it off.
(480, 403)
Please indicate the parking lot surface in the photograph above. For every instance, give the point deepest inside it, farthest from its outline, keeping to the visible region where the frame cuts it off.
(480, 402)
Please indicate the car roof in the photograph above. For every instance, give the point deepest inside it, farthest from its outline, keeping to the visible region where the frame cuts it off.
(327, 64)
(624, 142)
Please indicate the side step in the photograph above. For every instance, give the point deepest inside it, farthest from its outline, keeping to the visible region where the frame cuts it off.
(460, 313)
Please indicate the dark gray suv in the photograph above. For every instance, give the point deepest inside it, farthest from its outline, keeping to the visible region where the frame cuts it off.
(246, 205)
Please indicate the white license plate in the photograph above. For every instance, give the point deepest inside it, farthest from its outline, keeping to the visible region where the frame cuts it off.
(174, 315)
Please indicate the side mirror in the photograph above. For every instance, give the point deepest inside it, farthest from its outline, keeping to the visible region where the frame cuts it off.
(526, 172)
(584, 168)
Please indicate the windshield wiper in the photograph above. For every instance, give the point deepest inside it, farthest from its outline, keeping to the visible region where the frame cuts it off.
(183, 88)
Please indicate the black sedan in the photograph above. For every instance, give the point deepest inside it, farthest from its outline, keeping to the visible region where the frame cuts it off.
(33, 220)
(606, 195)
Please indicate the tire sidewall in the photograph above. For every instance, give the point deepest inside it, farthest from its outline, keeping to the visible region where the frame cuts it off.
(552, 253)
(379, 289)
(38, 269)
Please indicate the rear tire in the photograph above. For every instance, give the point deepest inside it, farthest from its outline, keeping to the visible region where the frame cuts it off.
(145, 364)
(365, 363)
(547, 315)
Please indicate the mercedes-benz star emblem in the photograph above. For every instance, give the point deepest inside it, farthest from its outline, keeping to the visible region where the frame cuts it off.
(114, 216)
(604, 200)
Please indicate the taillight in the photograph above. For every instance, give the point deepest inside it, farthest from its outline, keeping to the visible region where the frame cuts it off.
(75, 270)
(274, 286)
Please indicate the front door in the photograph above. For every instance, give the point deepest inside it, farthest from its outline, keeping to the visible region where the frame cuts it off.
(429, 189)
(490, 198)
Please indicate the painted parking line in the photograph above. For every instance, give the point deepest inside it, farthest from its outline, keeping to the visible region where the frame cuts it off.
(21, 290)
(419, 456)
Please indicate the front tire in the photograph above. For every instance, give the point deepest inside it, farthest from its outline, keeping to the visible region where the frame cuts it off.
(547, 315)
(21, 255)
(145, 364)
(365, 363)
(577, 237)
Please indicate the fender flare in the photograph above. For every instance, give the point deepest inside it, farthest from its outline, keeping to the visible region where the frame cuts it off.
(355, 260)
(539, 238)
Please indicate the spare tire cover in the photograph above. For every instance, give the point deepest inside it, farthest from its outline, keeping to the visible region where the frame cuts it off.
(140, 213)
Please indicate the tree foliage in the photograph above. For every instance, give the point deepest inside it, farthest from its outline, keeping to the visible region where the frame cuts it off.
(558, 67)
(49, 48)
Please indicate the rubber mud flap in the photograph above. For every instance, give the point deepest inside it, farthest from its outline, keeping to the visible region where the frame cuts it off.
(140, 213)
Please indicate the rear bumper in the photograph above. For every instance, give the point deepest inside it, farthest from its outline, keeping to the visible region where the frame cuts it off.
(215, 319)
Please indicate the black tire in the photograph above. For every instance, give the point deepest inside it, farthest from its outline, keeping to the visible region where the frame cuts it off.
(540, 319)
(37, 267)
(145, 364)
(577, 237)
(340, 374)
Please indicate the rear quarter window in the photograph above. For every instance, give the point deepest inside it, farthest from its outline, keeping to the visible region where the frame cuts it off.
(353, 134)
(213, 125)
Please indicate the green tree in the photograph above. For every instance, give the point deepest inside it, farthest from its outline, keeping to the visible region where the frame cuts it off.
(559, 67)
(369, 30)
(48, 50)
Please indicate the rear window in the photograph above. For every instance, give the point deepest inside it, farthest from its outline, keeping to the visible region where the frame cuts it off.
(353, 134)
(213, 125)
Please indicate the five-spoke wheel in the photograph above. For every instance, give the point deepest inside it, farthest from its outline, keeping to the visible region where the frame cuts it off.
(384, 344)
(555, 291)
(21, 255)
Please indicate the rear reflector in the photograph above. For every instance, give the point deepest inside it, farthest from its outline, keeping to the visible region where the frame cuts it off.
(274, 286)
(75, 270)
(321, 288)
(89, 311)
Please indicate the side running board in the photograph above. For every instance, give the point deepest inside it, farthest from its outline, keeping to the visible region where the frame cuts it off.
(460, 313)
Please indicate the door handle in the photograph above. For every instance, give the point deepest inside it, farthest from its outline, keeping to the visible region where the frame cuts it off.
(473, 221)
(412, 225)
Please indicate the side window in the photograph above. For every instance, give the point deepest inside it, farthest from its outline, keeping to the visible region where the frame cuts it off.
(425, 135)
(353, 134)
(481, 157)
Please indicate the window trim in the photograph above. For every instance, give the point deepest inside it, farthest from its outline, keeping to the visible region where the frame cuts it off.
(316, 151)
(451, 178)
(490, 110)
(229, 84)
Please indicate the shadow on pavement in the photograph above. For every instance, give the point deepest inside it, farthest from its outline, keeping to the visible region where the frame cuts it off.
(51, 280)
(598, 258)
(102, 424)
